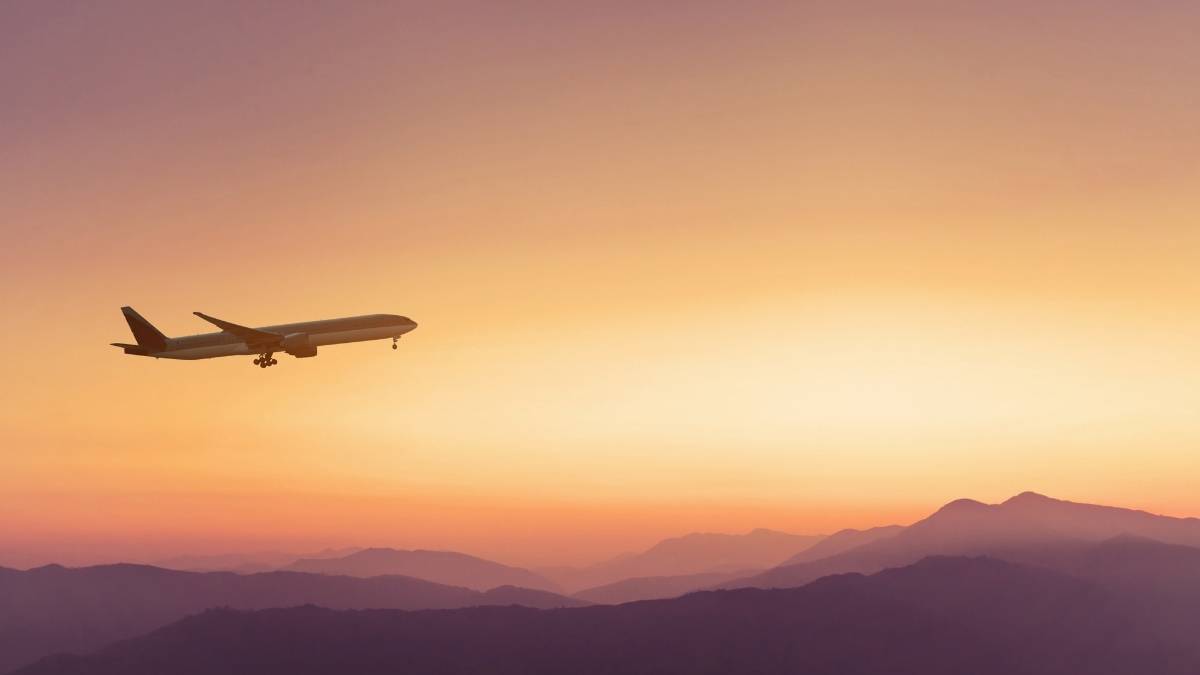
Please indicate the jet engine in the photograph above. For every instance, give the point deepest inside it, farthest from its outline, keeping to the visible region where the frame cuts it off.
(297, 345)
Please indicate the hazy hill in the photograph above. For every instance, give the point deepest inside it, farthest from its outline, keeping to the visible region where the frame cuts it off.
(696, 553)
(52, 609)
(245, 563)
(1161, 581)
(654, 588)
(843, 540)
(1027, 522)
(443, 567)
(942, 616)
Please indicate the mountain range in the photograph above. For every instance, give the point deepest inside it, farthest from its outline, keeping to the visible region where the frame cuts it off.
(842, 540)
(1115, 587)
(940, 616)
(245, 563)
(1026, 523)
(669, 586)
(53, 609)
(692, 554)
(443, 567)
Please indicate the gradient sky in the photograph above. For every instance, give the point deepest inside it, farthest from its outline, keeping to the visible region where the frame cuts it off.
(677, 266)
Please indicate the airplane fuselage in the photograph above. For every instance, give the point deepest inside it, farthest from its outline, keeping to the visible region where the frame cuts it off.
(298, 339)
(320, 334)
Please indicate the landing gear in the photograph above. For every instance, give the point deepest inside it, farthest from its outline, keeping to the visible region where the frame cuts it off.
(265, 360)
(394, 342)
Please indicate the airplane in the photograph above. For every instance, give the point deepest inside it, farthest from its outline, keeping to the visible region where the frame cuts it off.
(298, 339)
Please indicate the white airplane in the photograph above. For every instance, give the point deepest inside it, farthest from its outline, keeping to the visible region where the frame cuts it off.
(298, 339)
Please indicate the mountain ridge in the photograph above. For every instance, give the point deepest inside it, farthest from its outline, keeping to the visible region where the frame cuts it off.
(54, 608)
(1002, 618)
(689, 554)
(444, 567)
(969, 527)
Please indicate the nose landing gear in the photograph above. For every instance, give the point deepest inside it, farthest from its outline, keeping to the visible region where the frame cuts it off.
(265, 360)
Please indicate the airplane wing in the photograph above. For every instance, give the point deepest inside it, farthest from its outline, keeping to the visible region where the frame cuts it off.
(250, 336)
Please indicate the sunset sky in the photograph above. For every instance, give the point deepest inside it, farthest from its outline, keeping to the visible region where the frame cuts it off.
(677, 266)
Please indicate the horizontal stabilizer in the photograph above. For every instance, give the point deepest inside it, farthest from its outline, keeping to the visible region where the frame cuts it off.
(132, 349)
(251, 336)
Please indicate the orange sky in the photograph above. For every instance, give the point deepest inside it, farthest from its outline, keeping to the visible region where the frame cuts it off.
(707, 266)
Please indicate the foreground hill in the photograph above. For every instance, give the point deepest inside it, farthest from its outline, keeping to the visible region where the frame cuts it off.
(696, 553)
(443, 567)
(942, 616)
(54, 609)
(1026, 523)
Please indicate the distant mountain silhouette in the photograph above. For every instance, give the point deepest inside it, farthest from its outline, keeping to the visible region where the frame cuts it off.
(443, 567)
(245, 563)
(52, 609)
(697, 553)
(525, 597)
(1161, 581)
(942, 616)
(1027, 522)
(654, 588)
(843, 540)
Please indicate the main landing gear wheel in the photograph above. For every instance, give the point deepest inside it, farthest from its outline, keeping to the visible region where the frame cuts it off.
(394, 342)
(265, 361)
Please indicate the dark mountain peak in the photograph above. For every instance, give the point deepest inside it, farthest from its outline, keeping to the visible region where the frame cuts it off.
(963, 506)
(1035, 503)
(1031, 498)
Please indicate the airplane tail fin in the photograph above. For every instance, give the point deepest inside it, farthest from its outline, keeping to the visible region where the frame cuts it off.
(148, 337)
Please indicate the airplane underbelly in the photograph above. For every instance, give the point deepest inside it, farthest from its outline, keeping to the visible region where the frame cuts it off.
(357, 335)
(210, 352)
(315, 339)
